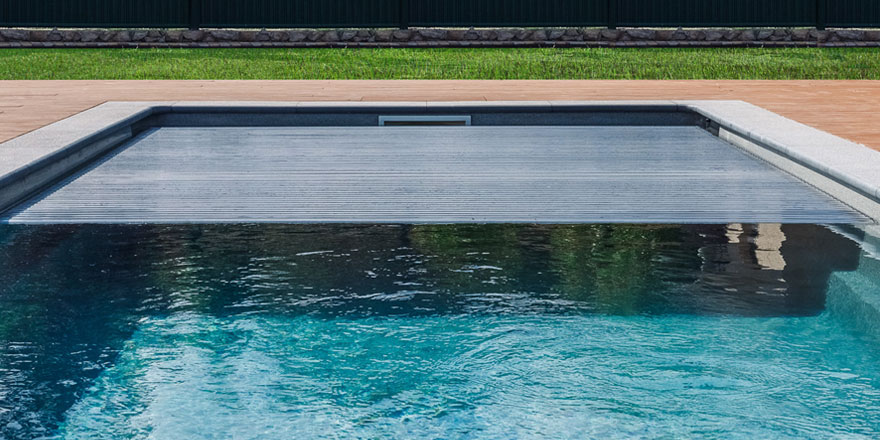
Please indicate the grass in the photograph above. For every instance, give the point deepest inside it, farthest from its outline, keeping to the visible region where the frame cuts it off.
(709, 63)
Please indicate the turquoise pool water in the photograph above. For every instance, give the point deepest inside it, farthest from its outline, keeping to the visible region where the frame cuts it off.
(492, 331)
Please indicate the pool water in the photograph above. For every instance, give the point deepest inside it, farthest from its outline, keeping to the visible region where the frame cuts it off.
(438, 331)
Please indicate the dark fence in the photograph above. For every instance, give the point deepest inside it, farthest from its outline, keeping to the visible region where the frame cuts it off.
(451, 13)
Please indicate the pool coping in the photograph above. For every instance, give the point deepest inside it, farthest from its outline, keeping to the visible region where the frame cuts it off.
(843, 169)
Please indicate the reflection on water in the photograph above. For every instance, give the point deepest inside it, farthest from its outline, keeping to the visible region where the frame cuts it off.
(70, 297)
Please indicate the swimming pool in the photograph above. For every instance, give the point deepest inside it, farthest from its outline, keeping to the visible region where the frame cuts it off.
(438, 331)
(438, 270)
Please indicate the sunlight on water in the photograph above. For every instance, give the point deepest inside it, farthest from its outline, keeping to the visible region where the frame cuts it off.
(493, 331)
(192, 376)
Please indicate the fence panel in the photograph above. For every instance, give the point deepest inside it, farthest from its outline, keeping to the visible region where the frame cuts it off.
(709, 13)
(300, 13)
(457, 13)
(853, 13)
(508, 13)
(95, 13)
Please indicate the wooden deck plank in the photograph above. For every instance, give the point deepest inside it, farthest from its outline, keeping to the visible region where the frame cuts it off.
(844, 108)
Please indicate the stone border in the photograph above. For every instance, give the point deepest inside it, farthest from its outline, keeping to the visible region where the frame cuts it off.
(437, 37)
(843, 169)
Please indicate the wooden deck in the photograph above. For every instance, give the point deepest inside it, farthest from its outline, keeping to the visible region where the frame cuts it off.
(846, 108)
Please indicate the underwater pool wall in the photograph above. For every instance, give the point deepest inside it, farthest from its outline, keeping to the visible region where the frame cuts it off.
(855, 295)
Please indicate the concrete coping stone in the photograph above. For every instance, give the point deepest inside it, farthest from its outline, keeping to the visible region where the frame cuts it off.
(30, 150)
(421, 107)
(851, 164)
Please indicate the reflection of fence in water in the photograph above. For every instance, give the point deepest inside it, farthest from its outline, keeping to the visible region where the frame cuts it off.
(735, 269)
(788, 264)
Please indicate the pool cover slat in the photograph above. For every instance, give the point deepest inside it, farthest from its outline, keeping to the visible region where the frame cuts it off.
(432, 174)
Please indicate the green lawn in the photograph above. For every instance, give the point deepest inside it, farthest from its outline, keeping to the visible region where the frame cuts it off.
(709, 63)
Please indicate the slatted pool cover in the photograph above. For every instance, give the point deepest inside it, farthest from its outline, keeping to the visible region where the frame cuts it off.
(550, 174)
